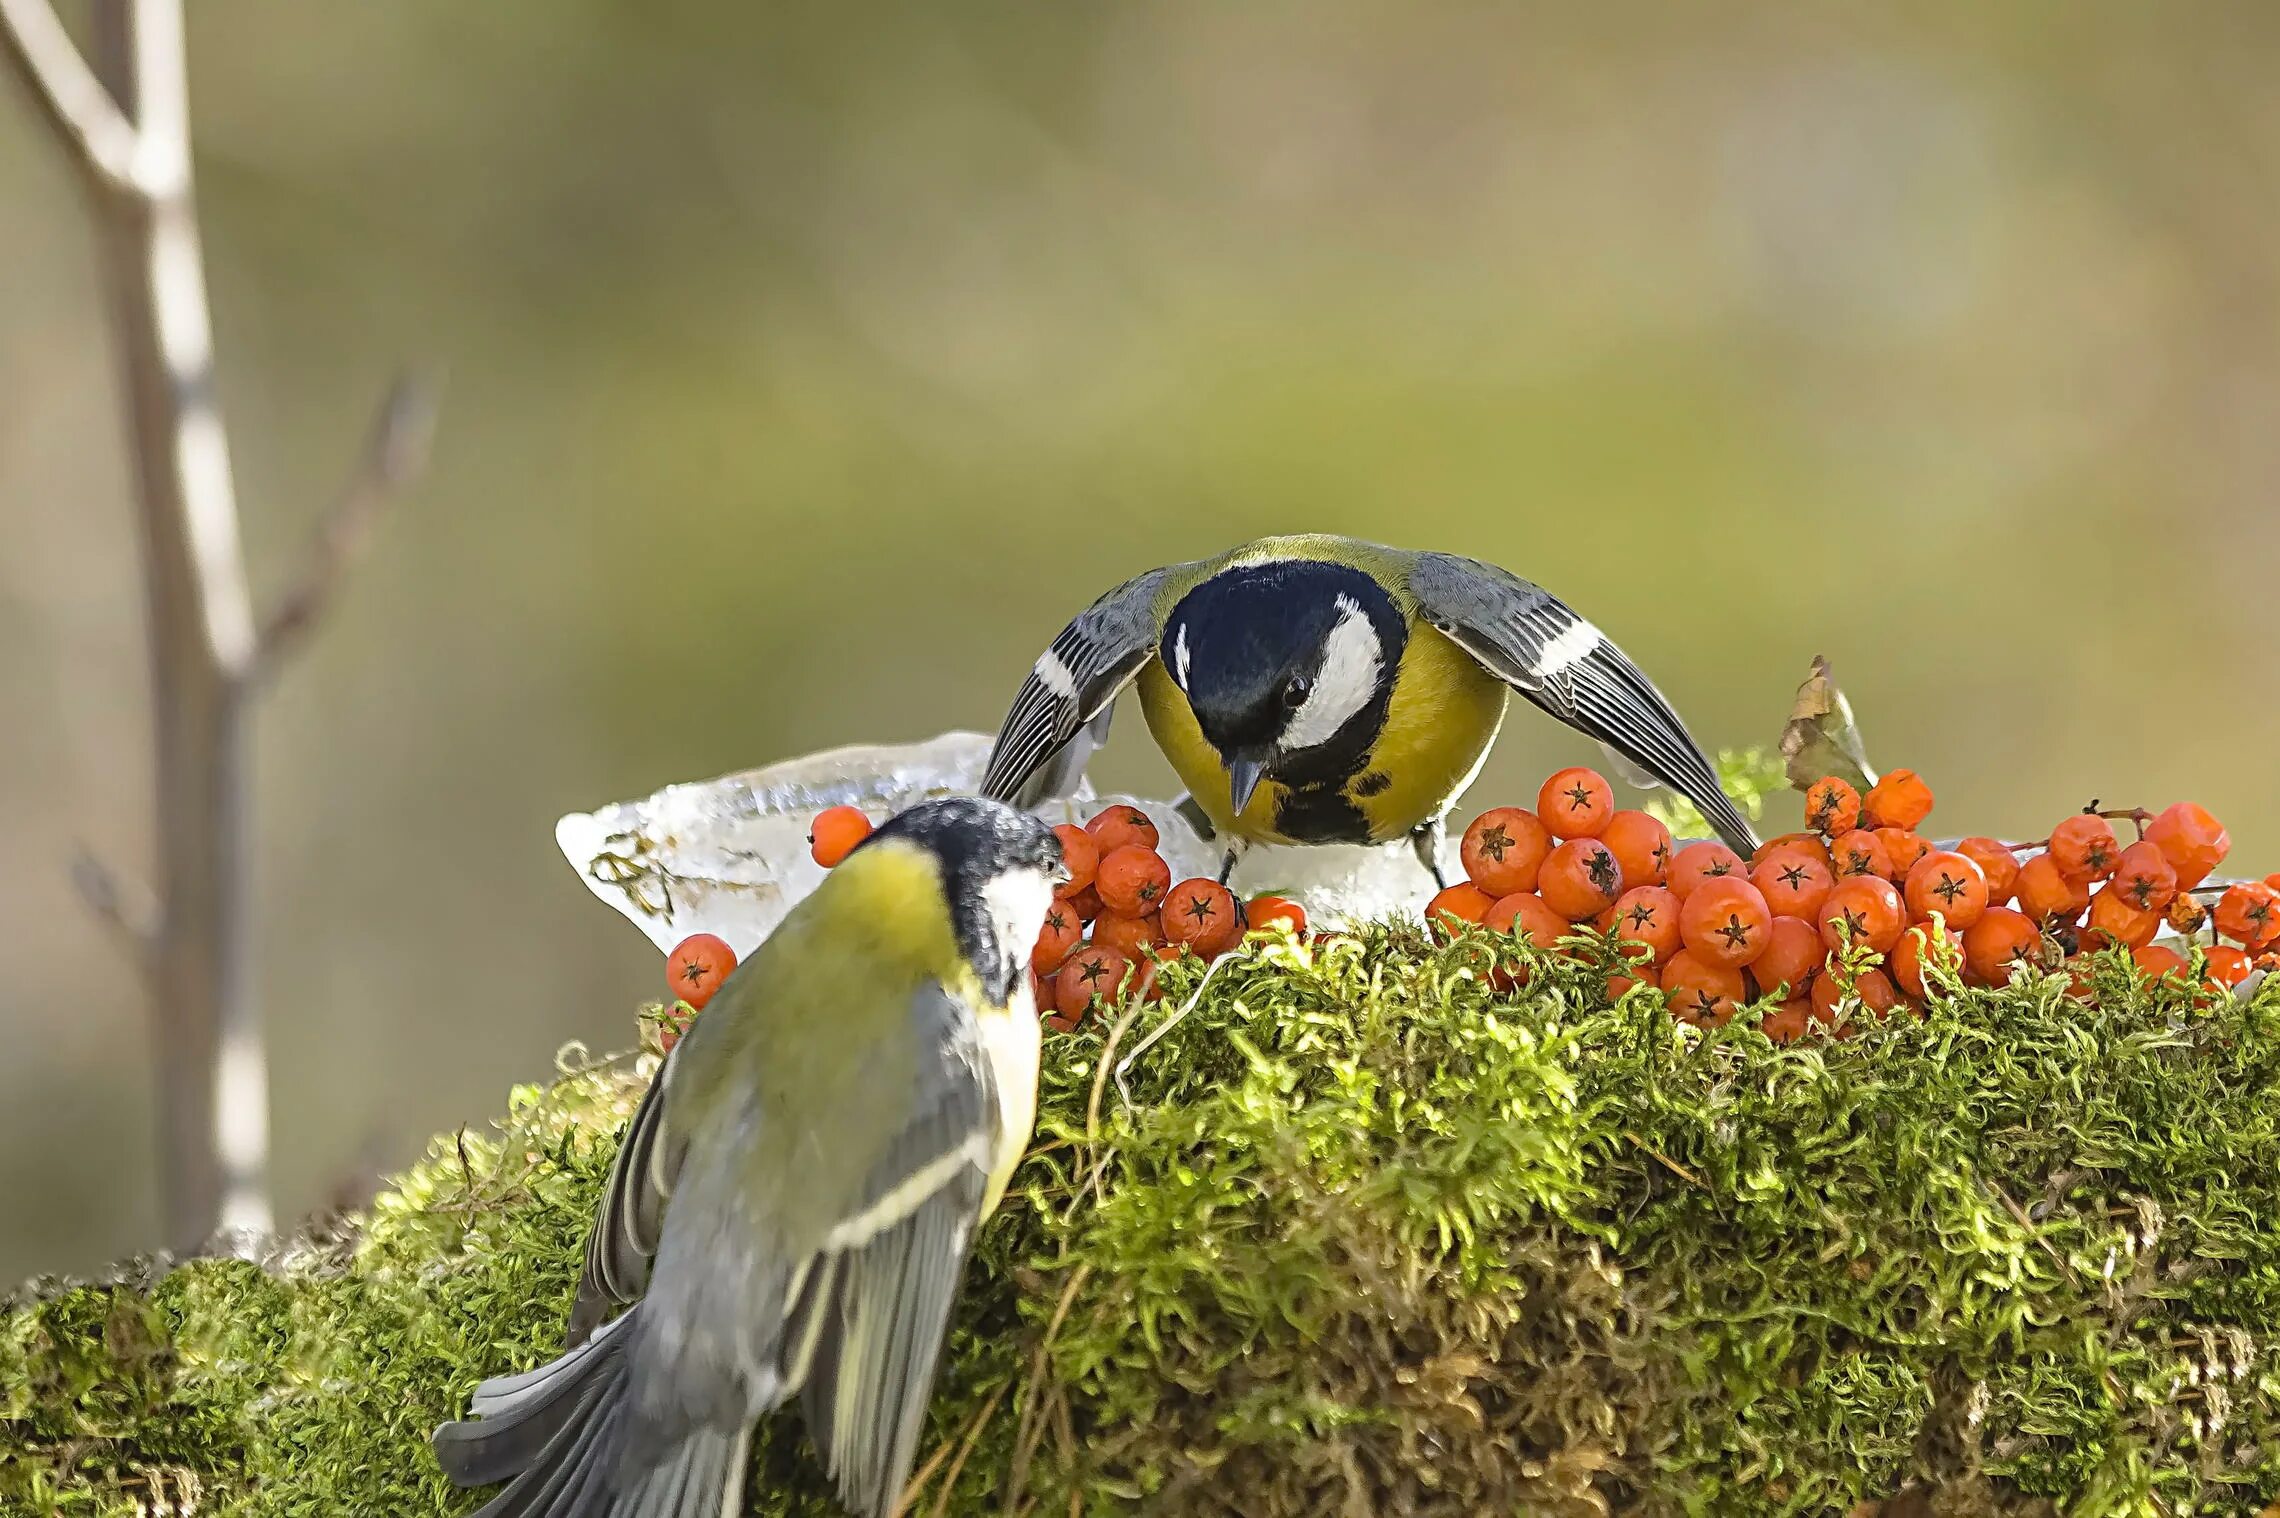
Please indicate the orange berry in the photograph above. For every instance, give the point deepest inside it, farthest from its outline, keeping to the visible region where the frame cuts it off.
(1641, 845)
(2048, 894)
(1202, 915)
(1132, 880)
(2193, 841)
(1524, 915)
(1058, 939)
(1086, 904)
(2227, 966)
(1872, 989)
(1270, 911)
(1904, 849)
(2000, 939)
(2084, 846)
(1949, 884)
(1997, 863)
(1789, 1022)
(2157, 960)
(1867, 907)
(1091, 972)
(1576, 803)
(1900, 800)
(1860, 852)
(1925, 942)
(1698, 862)
(1041, 994)
(1580, 879)
(1122, 827)
(1131, 937)
(2145, 877)
(1811, 845)
(2185, 914)
(2113, 920)
(1793, 958)
(1647, 917)
(697, 966)
(1701, 992)
(1832, 806)
(1463, 901)
(2249, 913)
(835, 832)
(1504, 848)
(1793, 883)
(1080, 856)
(1726, 922)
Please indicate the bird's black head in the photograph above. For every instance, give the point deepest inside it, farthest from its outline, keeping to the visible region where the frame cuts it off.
(1287, 665)
(999, 867)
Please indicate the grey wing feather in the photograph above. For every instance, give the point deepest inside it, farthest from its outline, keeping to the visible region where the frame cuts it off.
(628, 1223)
(881, 1344)
(1062, 711)
(876, 1340)
(555, 1432)
(1528, 638)
(701, 1478)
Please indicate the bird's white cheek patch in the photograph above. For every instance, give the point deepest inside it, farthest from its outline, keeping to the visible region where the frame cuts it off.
(1015, 904)
(1054, 675)
(1574, 644)
(1352, 661)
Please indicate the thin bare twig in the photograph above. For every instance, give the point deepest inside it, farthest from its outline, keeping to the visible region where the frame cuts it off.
(1032, 1427)
(101, 139)
(126, 908)
(973, 1435)
(395, 453)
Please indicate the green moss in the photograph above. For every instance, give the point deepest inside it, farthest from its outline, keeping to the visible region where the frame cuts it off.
(1373, 1237)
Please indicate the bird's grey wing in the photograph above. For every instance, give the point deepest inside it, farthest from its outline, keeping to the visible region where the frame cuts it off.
(872, 1336)
(631, 1217)
(1529, 639)
(1061, 713)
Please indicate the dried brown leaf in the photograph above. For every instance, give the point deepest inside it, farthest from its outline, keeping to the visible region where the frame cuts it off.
(1821, 737)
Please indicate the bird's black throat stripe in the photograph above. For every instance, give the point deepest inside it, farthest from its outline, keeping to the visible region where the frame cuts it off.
(1321, 814)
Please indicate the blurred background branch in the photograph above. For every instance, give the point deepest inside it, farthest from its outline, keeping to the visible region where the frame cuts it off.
(125, 123)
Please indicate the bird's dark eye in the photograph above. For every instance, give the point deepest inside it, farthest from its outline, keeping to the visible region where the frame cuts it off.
(1294, 692)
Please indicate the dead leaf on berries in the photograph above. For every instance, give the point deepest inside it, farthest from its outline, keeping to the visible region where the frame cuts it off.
(1822, 738)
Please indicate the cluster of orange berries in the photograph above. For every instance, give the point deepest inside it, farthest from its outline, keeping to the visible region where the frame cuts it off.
(1119, 892)
(1713, 930)
(1706, 927)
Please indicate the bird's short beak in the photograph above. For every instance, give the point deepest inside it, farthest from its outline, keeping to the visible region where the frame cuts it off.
(1243, 777)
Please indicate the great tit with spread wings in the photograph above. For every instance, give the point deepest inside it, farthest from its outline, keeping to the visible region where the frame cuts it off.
(1320, 689)
(790, 1211)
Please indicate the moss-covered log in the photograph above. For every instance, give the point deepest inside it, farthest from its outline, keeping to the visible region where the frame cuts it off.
(1374, 1238)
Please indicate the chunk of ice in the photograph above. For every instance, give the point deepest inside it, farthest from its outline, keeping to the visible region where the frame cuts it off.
(729, 856)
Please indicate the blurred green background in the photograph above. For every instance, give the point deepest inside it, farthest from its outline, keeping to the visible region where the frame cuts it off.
(810, 364)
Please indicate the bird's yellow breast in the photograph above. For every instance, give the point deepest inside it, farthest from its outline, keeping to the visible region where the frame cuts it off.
(1443, 716)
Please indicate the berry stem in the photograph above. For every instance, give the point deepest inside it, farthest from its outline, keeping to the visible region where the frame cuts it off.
(2135, 814)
